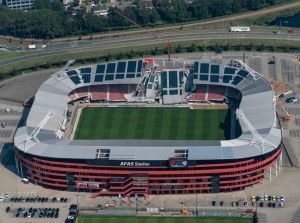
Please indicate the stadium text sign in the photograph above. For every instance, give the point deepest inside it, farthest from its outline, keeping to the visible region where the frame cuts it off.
(134, 163)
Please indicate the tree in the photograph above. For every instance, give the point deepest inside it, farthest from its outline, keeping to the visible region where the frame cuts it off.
(192, 48)
(172, 11)
(178, 49)
(46, 4)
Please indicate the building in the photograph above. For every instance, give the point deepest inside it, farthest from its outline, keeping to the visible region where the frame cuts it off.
(19, 4)
(100, 10)
(47, 157)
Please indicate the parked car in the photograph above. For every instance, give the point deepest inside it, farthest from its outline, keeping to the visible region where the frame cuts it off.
(7, 209)
(291, 100)
(3, 124)
(281, 205)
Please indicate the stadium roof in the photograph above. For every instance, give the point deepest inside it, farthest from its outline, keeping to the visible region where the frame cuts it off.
(257, 117)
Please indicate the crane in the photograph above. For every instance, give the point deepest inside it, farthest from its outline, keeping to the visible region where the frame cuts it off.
(164, 40)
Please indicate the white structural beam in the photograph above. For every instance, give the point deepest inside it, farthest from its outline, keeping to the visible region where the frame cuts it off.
(257, 140)
(32, 139)
(61, 73)
(254, 74)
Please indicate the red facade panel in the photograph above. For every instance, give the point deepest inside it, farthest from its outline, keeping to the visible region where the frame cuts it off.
(200, 178)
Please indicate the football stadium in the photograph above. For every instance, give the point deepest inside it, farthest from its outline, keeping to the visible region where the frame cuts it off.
(151, 126)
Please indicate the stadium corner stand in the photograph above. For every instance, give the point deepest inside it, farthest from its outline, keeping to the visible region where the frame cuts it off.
(47, 157)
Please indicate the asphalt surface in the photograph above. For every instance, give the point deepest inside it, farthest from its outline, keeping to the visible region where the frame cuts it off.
(149, 39)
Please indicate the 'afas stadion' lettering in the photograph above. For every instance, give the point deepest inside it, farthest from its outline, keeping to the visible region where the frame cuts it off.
(134, 164)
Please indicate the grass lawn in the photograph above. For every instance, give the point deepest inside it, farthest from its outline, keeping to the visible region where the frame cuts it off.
(152, 123)
(131, 219)
(12, 54)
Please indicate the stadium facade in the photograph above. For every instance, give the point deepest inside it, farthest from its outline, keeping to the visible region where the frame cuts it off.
(47, 157)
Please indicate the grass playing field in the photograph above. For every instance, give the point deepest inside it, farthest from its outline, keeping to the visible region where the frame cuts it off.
(123, 219)
(152, 123)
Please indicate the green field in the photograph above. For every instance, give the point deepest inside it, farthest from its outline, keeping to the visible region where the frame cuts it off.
(124, 219)
(153, 123)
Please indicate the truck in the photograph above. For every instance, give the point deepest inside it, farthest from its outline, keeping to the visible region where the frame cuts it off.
(240, 29)
(31, 46)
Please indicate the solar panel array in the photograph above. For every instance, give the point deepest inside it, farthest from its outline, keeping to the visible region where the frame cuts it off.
(215, 73)
(118, 70)
(172, 82)
(107, 72)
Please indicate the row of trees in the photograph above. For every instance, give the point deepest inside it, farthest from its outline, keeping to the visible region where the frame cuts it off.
(193, 47)
(49, 19)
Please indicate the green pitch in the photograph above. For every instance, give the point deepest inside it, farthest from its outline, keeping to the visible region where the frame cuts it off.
(125, 219)
(152, 123)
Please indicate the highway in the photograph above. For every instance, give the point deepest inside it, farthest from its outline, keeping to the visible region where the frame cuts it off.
(143, 39)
